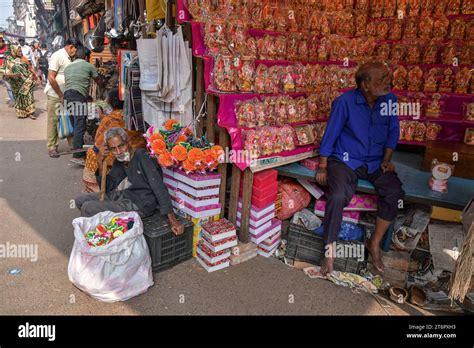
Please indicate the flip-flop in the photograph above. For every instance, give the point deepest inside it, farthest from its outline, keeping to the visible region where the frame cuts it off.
(33, 117)
(397, 294)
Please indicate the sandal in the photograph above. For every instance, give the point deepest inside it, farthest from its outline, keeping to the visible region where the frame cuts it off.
(397, 294)
(33, 117)
(54, 154)
(417, 296)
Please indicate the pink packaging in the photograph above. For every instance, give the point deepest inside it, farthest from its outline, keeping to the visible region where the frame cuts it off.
(311, 163)
(349, 216)
(362, 202)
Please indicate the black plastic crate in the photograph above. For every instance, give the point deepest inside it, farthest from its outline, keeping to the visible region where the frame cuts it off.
(166, 249)
(305, 245)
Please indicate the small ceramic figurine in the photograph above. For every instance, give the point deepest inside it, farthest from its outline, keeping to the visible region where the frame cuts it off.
(411, 28)
(402, 7)
(463, 77)
(430, 53)
(382, 30)
(446, 84)
(432, 131)
(413, 54)
(371, 29)
(426, 7)
(434, 108)
(420, 132)
(458, 27)
(440, 27)
(465, 55)
(470, 29)
(360, 24)
(426, 27)
(469, 112)
(449, 54)
(468, 7)
(400, 78)
(453, 7)
(389, 8)
(395, 30)
(439, 7)
(383, 52)
(414, 7)
(431, 81)
(376, 9)
(415, 79)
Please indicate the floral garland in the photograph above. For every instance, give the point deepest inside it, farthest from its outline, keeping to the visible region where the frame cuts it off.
(177, 146)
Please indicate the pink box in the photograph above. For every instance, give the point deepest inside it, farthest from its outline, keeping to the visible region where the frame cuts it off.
(349, 216)
(362, 202)
(194, 180)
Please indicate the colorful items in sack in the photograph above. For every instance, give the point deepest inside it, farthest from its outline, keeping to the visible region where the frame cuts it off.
(176, 146)
(104, 234)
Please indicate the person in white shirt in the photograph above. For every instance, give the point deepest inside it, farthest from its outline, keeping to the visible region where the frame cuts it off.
(27, 52)
(54, 90)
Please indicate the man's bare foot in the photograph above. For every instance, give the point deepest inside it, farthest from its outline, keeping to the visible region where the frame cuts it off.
(327, 266)
(374, 251)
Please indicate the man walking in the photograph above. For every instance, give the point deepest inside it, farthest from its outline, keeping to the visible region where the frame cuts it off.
(78, 76)
(42, 62)
(54, 91)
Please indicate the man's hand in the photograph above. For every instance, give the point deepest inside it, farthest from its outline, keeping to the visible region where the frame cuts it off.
(322, 176)
(177, 227)
(387, 166)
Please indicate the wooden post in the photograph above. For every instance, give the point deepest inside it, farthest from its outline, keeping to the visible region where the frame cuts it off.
(199, 79)
(234, 193)
(211, 118)
(224, 142)
(246, 201)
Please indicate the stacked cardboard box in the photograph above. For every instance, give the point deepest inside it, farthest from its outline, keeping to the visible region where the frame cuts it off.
(264, 188)
(195, 197)
(214, 249)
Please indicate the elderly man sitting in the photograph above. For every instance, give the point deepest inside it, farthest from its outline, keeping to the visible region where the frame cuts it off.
(358, 144)
(144, 178)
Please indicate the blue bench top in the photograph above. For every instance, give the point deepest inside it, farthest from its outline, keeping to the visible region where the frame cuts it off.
(415, 182)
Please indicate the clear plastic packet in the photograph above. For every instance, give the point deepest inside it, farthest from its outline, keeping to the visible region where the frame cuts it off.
(224, 75)
(260, 78)
(281, 110)
(245, 73)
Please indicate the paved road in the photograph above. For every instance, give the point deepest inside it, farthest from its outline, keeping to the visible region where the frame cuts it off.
(35, 196)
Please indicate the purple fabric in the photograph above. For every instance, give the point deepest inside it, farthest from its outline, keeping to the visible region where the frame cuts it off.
(183, 13)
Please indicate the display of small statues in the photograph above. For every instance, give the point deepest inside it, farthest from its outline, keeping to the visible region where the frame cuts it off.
(415, 79)
(446, 84)
(431, 81)
(399, 79)
(463, 77)
(434, 108)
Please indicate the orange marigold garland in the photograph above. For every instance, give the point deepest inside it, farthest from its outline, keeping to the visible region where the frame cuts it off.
(175, 145)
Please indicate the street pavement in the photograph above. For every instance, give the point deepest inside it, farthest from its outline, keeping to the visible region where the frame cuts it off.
(35, 206)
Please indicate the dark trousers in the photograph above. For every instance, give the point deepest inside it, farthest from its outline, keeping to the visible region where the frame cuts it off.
(77, 105)
(342, 182)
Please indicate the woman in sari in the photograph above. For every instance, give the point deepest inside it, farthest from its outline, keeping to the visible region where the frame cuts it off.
(22, 82)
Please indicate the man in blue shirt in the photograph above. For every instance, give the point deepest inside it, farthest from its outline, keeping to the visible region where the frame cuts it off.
(358, 144)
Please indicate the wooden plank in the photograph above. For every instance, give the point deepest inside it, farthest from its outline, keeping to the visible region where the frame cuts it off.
(234, 193)
(199, 93)
(246, 200)
(224, 141)
(211, 118)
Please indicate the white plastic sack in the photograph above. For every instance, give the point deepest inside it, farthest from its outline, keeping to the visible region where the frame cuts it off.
(113, 272)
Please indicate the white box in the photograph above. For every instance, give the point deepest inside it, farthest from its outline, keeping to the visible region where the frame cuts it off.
(257, 222)
(219, 247)
(204, 192)
(198, 180)
(256, 230)
(312, 188)
(214, 259)
(196, 214)
(273, 245)
(257, 239)
(256, 213)
(212, 268)
(218, 237)
(265, 253)
(197, 203)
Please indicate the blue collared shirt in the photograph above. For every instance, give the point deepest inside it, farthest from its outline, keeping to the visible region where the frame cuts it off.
(357, 134)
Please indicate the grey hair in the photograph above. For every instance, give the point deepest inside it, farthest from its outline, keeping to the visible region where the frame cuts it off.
(116, 131)
(363, 73)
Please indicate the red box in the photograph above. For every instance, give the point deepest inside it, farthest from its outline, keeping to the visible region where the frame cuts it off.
(263, 192)
(263, 202)
(265, 177)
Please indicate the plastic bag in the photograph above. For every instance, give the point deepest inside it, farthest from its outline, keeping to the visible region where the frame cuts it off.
(309, 220)
(65, 127)
(114, 272)
(294, 199)
(348, 231)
